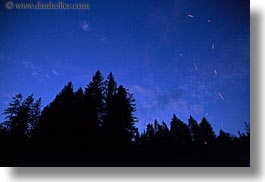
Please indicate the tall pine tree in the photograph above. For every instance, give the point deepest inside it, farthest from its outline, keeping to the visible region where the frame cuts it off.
(94, 99)
(110, 92)
(123, 123)
(195, 130)
(207, 131)
(179, 131)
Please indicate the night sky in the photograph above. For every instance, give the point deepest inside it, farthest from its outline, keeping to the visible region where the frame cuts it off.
(188, 57)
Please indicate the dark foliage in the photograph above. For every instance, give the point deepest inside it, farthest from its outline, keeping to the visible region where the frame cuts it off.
(96, 127)
(195, 130)
(207, 133)
(179, 131)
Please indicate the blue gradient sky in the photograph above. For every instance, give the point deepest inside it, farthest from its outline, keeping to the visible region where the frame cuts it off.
(175, 56)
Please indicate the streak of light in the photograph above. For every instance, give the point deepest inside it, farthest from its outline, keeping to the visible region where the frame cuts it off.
(191, 16)
(195, 66)
(215, 72)
(221, 96)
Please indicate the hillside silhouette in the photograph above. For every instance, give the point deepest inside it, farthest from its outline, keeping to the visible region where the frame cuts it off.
(95, 126)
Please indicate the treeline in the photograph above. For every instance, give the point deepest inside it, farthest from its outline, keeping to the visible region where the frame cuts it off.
(182, 133)
(95, 126)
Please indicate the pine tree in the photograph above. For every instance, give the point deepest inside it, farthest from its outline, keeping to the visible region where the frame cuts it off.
(156, 126)
(57, 119)
(94, 99)
(195, 130)
(34, 114)
(12, 111)
(224, 138)
(22, 116)
(179, 131)
(81, 127)
(245, 137)
(111, 90)
(207, 132)
(110, 93)
(165, 132)
(123, 123)
(150, 133)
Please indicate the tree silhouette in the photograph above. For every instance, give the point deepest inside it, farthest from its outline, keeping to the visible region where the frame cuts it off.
(81, 128)
(95, 100)
(96, 127)
(161, 132)
(245, 137)
(165, 133)
(195, 130)
(12, 111)
(123, 123)
(55, 128)
(247, 128)
(150, 133)
(22, 116)
(110, 92)
(156, 126)
(156, 134)
(207, 132)
(224, 138)
(179, 131)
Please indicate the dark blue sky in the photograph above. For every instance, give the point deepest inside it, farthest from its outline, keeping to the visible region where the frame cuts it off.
(176, 56)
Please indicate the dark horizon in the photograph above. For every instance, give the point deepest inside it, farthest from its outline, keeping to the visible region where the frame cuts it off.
(141, 129)
(95, 126)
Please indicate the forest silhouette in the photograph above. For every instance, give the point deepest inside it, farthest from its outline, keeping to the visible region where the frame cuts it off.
(95, 126)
